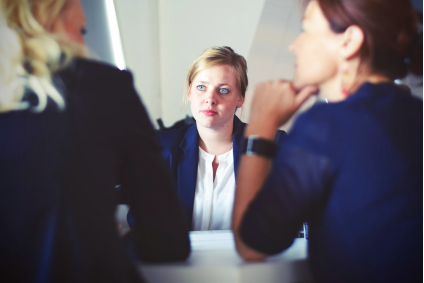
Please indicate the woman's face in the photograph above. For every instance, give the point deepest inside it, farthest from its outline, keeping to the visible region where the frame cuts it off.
(73, 21)
(214, 97)
(316, 50)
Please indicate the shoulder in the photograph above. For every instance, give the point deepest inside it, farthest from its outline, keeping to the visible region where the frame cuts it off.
(97, 69)
(314, 129)
(103, 92)
(89, 74)
(101, 84)
(172, 138)
(320, 115)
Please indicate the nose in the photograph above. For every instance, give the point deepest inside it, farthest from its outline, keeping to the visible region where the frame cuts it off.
(210, 97)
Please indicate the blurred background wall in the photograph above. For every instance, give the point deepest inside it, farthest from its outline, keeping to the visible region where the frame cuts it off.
(158, 39)
(98, 37)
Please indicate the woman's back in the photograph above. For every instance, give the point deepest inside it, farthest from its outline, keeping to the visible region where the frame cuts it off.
(360, 162)
(59, 171)
(31, 207)
(373, 218)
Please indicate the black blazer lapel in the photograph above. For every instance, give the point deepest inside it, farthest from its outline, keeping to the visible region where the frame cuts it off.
(187, 170)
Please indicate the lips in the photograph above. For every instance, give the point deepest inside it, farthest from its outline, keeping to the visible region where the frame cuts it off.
(209, 112)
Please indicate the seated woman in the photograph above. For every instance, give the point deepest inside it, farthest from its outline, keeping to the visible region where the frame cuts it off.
(352, 168)
(62, 122)
(203, 157)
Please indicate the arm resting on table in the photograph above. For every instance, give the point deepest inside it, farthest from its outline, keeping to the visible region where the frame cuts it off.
(250, 178)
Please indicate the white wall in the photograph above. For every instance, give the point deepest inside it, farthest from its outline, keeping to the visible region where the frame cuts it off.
(98, 37)
(269, 56)
(138, 25)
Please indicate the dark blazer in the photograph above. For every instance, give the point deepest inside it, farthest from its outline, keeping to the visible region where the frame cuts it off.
(180, 149)
(58, 171)
(354, 171)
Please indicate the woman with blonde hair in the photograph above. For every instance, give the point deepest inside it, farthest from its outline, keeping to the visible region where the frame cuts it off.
(203, 157)
(71, 129)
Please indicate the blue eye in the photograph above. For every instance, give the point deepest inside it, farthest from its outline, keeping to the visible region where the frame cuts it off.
(201, 87)
(223, 90)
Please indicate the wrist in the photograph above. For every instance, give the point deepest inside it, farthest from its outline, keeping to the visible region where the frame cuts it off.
(262, 130)
(254, 145)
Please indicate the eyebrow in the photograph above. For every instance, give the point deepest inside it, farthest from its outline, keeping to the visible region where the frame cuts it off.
(204, 82)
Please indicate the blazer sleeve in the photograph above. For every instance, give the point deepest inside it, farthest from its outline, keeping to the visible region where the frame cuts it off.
(294, 189)
(160, 231)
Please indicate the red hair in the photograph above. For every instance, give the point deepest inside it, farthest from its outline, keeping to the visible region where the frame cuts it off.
(390, 31)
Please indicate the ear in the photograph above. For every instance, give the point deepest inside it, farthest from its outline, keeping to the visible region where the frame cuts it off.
(353, 39)
(240, 101)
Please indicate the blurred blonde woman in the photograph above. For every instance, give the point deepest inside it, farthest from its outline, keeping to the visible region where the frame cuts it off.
(70, 130)
(203, 157)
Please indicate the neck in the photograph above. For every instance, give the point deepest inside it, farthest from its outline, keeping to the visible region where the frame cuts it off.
(332, 89)
(216, 141)
(376, 79)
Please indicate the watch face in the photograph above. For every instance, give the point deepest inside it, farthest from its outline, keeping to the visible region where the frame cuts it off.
(250, 141)
(257, 146)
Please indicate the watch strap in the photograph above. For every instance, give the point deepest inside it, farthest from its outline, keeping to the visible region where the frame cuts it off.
(253, 145)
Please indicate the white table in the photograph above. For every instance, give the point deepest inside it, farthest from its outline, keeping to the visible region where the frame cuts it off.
(214, 259)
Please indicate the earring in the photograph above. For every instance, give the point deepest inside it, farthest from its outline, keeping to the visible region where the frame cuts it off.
(346, 78)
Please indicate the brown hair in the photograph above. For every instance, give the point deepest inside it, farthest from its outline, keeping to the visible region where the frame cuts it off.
(219, 55)
(390, 30)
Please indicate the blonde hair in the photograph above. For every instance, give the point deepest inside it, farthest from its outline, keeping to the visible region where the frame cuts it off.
(218, 55)
(30, 52)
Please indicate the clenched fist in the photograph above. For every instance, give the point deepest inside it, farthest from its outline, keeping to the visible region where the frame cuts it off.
(274, 102)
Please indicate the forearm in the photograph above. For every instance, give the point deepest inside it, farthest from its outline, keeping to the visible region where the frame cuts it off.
(251, 177)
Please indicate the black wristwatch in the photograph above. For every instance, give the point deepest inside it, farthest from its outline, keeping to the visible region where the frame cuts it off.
(253, 145)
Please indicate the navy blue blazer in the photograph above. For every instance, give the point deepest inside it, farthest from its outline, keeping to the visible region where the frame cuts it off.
(58, 171)
(354, 171)
(180, 149)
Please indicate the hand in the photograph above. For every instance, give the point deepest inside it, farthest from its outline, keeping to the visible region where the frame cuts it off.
(274, 102)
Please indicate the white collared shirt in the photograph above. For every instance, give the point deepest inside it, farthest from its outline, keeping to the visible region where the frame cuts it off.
(213, 199)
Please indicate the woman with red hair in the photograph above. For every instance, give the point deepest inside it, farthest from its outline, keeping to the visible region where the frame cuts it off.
(352, 168)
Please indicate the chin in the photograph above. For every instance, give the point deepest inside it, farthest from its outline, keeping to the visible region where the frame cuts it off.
(207, 126)
(298, 84)
(206, 123)
(217, 122)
